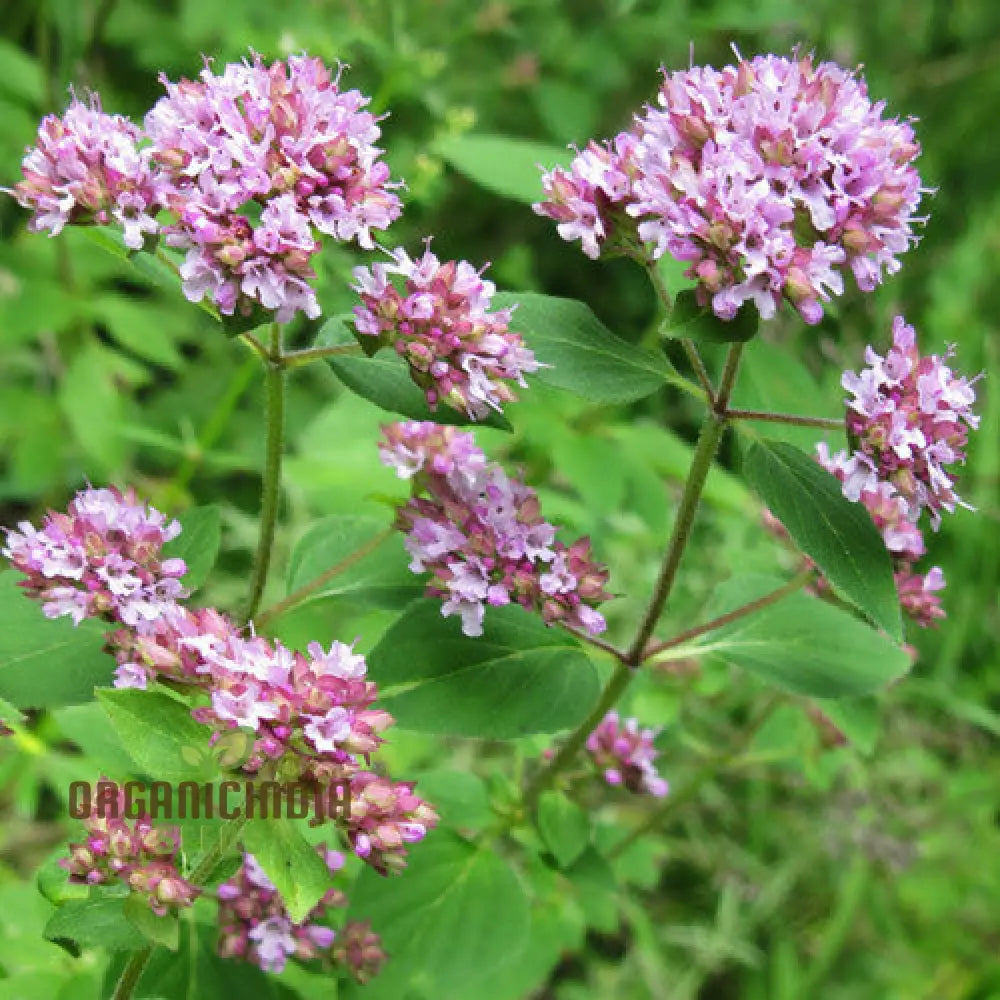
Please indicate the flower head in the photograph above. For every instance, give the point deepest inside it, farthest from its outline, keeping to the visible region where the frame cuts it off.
(101, 558)
(910, 416)
(252, 163)
(625, 754)
(769, 177)
(439, 321)
(481, 536)
(88, 168)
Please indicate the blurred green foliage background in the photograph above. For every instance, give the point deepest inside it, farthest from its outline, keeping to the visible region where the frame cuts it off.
(805, 871)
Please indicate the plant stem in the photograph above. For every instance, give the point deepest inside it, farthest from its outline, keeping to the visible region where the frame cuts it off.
(690, 348)
(134, 968)
(728, 379)
(275, 381)
(293, 359)
(593, 640)
(307, 589)
(730, 616)
(832, 423)
(616, 685)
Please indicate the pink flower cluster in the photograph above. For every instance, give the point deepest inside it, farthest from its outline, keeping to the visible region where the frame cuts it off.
(918, 593)
(248, 166)
(769, 177)
(481, 536)
(439, 322)
(359, 950)
(88, 169)
(101, 558)
(910, 417)
(310, 713)
(626, 755)
(255, 926)
(285, 142)
(136, 852)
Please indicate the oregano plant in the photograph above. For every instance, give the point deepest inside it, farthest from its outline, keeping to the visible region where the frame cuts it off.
(251, 831)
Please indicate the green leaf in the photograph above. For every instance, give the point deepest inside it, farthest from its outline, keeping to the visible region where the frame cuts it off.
(380, 577)
(163, 930)
(837, 535)
(53, 880)
(583, 355)
(385, 381)
(197, 544)
(10, 714)
(459, 797)
(99, 922)
(800, 643)
(518, 678)
(298, 872)
(690, 320)
(21, 77)
(456, 914)
(47, 662)
(506, 166)
(159, 734)
(564, 827)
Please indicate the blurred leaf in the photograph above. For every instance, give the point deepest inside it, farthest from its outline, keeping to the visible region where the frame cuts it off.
(380, 578)
(159, 734)
(385, 380)
(197, 544)
(458, 796)
(53, 881)
(98, 922)
(92, 406)
(518, 678)
(506, 166)
(46, 662)
(464, 915)
(800, 643)
(857, 718)
(89, 727)
(837, 535)
(138, 325)
(690, 319)
(564, 827)
(298, 872)
(584, 356)
(20, 75)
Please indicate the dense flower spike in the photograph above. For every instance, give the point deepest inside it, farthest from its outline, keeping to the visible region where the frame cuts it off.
(88, 169)
(458, 351)
(131, 851)
(254, 924)
(481, 536)
(625, 755)
(769, 177)
(250, 162)
(910, 416)
(101, 558)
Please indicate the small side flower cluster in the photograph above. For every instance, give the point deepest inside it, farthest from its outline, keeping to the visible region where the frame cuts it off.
(101, 558)
(136, 852)
(88, 169)
(254, 924)
(309, 716)
(768, 177)
(625, 755)
(246, 166)
(481, 536)
(910, 418)
(459, 353)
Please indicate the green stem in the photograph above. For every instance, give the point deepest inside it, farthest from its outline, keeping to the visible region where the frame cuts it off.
(293, 359)
(731, 616)
(616, 686)
(728, 379)
(832, 423)
(310, 588)
(133, 970)
(275, 380)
